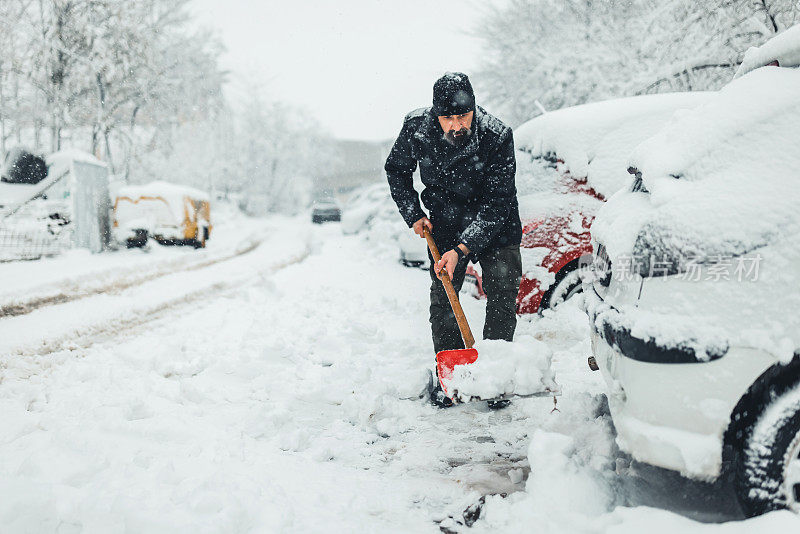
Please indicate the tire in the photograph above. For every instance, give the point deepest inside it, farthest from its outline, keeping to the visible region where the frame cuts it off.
(200, 239)
(138, 240)
(767, 469)
(568, 283)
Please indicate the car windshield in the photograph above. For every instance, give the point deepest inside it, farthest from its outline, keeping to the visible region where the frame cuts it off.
(545, 188)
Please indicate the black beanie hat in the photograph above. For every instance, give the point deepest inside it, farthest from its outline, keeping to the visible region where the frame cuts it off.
(452, 95)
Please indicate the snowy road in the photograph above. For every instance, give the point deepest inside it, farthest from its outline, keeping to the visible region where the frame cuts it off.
(270, 392)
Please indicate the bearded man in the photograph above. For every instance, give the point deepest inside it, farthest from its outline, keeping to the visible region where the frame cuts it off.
(467, 165)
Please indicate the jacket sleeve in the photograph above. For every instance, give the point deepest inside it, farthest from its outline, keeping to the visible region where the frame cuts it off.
(498, 196)
(400, 166)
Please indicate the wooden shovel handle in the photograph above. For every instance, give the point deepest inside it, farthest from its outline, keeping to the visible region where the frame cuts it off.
(461, 319)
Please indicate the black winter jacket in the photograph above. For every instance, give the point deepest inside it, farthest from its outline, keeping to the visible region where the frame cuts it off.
(469, 191)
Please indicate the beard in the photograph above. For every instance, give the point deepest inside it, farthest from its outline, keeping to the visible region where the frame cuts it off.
(458, 138)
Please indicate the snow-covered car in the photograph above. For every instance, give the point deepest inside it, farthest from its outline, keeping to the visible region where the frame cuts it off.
(695, 302)
(568, 162)
(371, 210)
(365, 205)
(413, 250)
(325, 210)
(171, 214)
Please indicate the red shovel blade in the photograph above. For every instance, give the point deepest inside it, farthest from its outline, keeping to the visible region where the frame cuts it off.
(446, 361)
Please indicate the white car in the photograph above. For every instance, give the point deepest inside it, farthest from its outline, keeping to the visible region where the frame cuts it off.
(695, 307)
(372, 211)
(365, 205)
(413, 250)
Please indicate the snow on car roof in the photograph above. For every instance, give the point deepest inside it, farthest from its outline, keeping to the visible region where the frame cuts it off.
(754, 119)
(722, 178)
(173, 194)
(595, 139)
(166, 190)
(784, 47)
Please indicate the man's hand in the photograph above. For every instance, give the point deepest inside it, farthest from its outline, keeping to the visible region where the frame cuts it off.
(420, 224)
(449, 261)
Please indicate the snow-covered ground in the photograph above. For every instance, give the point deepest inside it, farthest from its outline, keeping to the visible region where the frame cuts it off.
(270, 385)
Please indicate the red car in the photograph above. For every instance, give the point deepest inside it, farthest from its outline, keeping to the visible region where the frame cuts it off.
(568, 162)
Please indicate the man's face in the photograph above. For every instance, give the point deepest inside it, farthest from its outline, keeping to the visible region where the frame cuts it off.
(456, 128)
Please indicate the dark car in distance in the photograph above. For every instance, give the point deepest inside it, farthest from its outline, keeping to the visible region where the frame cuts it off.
(325, 210)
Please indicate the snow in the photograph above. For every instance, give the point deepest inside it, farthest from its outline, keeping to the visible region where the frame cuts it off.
(594, 139)
(504, 368)
(275, 389)
(696, 453)
(729, 163)
(784, 47)
(77, 272)
(60, 162)
(543, 191)
(166, 190)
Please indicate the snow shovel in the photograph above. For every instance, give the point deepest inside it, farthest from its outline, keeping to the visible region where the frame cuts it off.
(446, 360)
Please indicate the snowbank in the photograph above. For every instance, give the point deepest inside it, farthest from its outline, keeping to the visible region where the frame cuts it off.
(505, 368)
(603, 131)
(577, 484)
(783, 48)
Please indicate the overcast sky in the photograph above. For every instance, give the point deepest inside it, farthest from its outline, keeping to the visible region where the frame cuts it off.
(358, 65)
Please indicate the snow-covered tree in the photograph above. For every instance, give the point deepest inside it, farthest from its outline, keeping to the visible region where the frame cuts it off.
(279, 150)
(97, 68)
(567, 52)
(139, 85)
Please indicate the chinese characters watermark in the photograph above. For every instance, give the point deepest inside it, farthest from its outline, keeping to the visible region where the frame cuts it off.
(716, 268)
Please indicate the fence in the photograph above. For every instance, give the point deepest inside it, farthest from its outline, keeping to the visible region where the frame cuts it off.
(40, 228)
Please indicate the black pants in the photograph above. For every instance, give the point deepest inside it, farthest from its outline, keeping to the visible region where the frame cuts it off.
(502, 272)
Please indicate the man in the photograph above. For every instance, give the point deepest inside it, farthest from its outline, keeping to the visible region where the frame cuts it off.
(467, 165)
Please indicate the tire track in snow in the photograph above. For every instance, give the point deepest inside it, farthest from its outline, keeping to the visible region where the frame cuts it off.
(86, 335)
(116, 284)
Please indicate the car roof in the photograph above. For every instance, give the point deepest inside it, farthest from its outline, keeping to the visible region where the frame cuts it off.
(742, 122)
(578, 134)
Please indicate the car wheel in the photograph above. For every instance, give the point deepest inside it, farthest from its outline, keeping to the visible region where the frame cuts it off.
(138, 240)
(200, 238)
(568, 283)
(768, 466)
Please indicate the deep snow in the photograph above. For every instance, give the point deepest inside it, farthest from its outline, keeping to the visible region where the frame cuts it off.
(275, 392)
